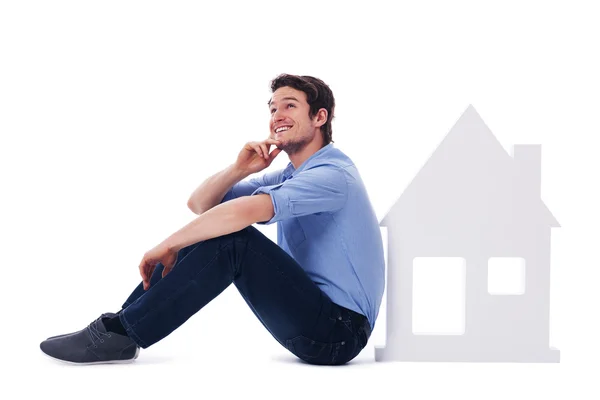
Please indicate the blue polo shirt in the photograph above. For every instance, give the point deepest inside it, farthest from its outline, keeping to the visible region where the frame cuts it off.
(326, 222)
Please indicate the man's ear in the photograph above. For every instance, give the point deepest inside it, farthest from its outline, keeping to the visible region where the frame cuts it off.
(321, 117)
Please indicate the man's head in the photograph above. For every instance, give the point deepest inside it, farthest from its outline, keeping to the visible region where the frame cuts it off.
(304, 107)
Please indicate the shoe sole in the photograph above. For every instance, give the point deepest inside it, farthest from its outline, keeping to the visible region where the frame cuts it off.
(137, 353)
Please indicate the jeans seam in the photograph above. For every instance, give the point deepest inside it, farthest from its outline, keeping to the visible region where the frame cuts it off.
(130, 332)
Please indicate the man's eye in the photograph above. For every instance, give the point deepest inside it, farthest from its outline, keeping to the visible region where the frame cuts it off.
(291, 105)
(272, 110)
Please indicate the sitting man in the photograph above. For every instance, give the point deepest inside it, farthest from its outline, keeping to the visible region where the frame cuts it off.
(317, 291)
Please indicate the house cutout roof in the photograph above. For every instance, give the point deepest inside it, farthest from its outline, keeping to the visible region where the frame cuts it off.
(469, 165)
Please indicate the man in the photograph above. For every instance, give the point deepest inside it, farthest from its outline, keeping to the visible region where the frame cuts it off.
(317, 291)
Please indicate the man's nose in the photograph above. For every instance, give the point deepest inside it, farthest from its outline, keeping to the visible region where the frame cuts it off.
(277, 116)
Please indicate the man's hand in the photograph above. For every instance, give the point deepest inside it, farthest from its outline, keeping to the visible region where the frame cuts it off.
(255, 156)
(160, 254)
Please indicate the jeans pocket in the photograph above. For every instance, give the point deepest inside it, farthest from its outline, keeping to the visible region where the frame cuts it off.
(342, 318)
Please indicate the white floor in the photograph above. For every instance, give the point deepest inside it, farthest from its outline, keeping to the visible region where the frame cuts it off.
(167, 372)
(210, 357)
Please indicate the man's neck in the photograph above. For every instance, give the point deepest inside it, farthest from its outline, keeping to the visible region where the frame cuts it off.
(299, 157)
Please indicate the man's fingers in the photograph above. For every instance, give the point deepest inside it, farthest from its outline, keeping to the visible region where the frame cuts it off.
(262, 148)
(265, 150)
(142, 272)
(166, 269)
(257, 149)
(146, 281)
(146, 272)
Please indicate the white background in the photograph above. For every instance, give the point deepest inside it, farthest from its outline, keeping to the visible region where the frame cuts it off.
(112, 112)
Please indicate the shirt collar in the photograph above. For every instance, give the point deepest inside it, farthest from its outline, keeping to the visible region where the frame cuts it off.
(289, 170)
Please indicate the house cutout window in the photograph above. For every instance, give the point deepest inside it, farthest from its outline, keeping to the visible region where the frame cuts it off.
(506, 275)
(438, 306)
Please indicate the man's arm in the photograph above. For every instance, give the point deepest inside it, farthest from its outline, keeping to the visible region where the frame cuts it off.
(213, 189)
(322, 189)
(222, 219)
(253, 157)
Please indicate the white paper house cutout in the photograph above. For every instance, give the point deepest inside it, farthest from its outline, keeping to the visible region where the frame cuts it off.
(473, 200)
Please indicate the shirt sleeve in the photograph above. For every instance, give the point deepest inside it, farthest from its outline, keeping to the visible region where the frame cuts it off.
(247, 187)
(321, 189)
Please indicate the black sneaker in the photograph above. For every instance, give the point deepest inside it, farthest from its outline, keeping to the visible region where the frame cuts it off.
(105, 315)
(92, 345)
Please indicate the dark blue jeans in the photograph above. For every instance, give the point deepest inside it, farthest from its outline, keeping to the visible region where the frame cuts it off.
(300, 316)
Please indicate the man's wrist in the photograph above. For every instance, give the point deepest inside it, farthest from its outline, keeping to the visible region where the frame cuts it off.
(171, 244)
(238, 174)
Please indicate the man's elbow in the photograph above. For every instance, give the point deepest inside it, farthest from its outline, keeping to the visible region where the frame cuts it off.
(194, 208)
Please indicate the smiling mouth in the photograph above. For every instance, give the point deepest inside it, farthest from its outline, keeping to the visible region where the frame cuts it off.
(282, 129)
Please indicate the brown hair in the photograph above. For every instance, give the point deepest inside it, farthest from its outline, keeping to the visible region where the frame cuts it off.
(318, 95)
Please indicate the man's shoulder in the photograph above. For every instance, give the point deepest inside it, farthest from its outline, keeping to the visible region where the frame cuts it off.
(339, 159)
(333, 159)
(325, 169)
(337, 168)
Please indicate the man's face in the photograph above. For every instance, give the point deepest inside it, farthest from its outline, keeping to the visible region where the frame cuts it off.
(290, 122)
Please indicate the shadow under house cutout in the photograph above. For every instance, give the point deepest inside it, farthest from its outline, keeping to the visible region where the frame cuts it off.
(471, 225)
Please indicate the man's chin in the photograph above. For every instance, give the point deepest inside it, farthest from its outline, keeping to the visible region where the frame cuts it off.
(293, 147)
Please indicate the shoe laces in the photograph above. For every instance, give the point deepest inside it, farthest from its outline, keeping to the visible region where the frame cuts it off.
(95, 333)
